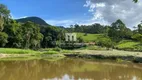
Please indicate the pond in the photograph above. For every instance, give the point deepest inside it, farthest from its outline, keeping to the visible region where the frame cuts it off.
(69, 69)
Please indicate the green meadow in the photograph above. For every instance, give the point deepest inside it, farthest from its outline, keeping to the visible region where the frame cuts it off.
(89, 37)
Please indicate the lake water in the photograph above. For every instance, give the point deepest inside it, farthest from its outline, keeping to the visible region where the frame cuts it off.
(69, 69)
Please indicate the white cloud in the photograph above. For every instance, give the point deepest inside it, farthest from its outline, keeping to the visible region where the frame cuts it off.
(65, 23)
(109, 11)
(23, 17)
(14, 17)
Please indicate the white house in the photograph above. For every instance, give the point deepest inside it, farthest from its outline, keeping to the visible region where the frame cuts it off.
(70, 37)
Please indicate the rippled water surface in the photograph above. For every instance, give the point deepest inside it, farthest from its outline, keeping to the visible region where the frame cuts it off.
(69, 69)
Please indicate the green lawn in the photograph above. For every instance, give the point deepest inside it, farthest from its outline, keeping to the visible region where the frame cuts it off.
(28, 51)
(89, 37)
(123, 45)
(17, 51)
(128, 44)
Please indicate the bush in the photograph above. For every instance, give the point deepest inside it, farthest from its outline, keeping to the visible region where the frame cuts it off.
(105, 42)
(137, 37)
(94, 48)
(3, 39)
(57, 49)
(80, 39)
(85, 34)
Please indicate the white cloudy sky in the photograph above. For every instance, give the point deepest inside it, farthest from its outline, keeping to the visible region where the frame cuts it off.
(106, 12)
(111, 10)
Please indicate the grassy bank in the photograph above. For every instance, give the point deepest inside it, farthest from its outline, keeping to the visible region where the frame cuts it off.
(91, 52)
(107, 54)
(17, 51)
(129, 45)
(28, 51)
(26, 54)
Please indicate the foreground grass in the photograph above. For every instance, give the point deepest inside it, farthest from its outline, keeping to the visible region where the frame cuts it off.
(55, 54)
(17, 51)
(12, 54)
(54, 51)
(28, 51)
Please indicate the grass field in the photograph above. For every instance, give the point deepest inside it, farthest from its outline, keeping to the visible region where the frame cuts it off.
(129, 45)
(17, 51)
(27, 51)
(122, 45)
(89, 37)
(8, 54)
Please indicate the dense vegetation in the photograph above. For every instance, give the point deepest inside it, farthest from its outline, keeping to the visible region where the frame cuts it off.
(110, 35)
(27, 33)
(35, 33)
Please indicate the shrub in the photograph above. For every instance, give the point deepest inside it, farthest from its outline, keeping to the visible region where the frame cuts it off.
(80, 39)
(95, 48)
(105, 42)
(85, 34)
(3, 39)
(57, 49)
(137, 37)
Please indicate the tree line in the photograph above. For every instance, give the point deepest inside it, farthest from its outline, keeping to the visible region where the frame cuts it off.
(112, 34)
(26, 35)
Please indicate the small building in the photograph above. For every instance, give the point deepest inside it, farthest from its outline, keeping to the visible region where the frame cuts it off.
(70, 37)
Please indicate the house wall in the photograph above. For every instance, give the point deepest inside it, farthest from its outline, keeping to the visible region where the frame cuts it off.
(70, 37)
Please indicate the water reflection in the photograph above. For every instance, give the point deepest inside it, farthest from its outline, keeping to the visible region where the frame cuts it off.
(69, 69)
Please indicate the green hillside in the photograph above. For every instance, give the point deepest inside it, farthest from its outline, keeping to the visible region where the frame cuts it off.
(89, 37)
(129, 45)
(36, 20)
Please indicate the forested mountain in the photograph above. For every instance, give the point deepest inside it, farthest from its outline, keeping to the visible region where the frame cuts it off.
(36, 20)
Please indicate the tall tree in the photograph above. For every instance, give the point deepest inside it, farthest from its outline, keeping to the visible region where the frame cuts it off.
(14, 31)
(3, 39)
(135, 1)
(51, 34)
(140, 28)
(31, 35)
(4, 15)
(119, 31)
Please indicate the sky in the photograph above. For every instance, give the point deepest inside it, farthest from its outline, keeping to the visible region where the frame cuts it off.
(83, 12)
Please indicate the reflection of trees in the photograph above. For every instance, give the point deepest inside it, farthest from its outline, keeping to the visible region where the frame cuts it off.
(40, 69)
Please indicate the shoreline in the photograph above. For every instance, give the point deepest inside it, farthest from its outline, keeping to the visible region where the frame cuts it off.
(135, 57)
